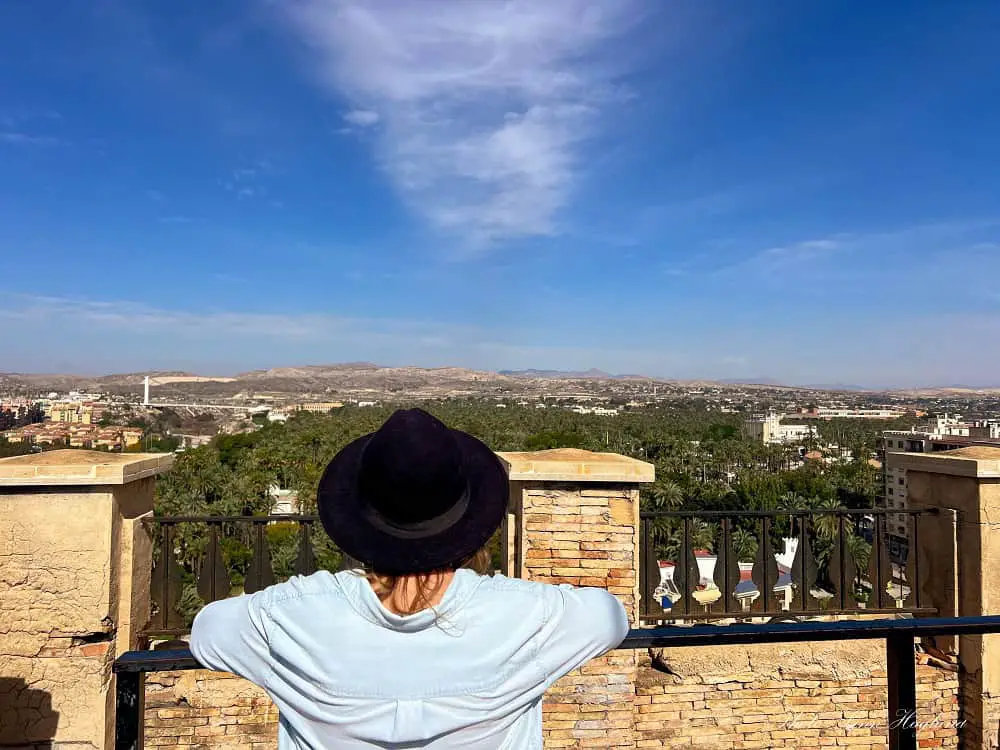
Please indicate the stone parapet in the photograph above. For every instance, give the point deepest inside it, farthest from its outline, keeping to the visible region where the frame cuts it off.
(81, 468)
(574, 518)
(963, 487)
(74, 589)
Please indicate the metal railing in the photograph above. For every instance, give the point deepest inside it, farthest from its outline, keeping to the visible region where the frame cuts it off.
(201, 559)
(790, 564)
(902, 720)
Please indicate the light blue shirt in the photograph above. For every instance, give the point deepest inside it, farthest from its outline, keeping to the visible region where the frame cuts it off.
(346, 674)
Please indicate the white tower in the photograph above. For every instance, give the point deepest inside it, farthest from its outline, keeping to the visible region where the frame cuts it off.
(145, 391)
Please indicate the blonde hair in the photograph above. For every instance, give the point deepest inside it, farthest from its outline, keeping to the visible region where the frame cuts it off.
(427, 584)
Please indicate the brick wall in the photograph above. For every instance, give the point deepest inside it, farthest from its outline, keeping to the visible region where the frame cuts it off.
(805, 704)
(583, 537)
(586, 537)
(208, 709)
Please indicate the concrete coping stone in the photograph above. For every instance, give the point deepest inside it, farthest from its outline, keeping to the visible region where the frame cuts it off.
(575, 465)
(977, 462)
(81, 468)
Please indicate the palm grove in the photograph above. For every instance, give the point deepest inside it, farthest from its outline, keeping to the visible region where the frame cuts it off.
(703, 463)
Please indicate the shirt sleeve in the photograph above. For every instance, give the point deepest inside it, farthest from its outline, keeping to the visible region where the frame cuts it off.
(231, 635)
(583, 623)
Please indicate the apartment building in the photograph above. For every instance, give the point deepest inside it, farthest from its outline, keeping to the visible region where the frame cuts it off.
(74, 412)
(945, 433)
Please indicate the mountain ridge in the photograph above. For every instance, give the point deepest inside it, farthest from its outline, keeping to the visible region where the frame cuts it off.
(357, 377)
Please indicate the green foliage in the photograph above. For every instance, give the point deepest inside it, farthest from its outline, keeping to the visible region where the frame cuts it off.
(745, 545)
(13, 449)
(159, 444)
(546, 440)
(32, 415)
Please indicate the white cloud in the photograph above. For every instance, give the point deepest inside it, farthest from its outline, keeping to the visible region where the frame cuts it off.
(910, 248)
(361, 117)
(27, 139)
(118, 324)
(136, 317)
(486, 104)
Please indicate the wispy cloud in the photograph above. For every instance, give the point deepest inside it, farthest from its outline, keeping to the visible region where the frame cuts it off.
(910, 245)
(777, 258)
(485, 105)
(15, 138)
(245, 182)
(136, 317)
(361, 117)
(389, 340)
(177, 220)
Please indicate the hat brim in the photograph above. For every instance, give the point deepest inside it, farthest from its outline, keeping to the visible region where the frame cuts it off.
(342, 512)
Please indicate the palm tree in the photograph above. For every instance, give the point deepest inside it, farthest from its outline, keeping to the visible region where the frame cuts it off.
(745, 545)
(860, 551)
(667, 495)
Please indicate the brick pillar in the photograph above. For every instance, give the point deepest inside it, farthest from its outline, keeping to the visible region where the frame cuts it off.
(575, 519)
(962, 549)
(74, 590)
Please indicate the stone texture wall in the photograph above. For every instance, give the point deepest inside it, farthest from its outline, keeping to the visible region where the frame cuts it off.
(796, 696)
(56, 616)
(74, 589)
(964, 486)
(791, 712)
(68, 607)
(208, 709)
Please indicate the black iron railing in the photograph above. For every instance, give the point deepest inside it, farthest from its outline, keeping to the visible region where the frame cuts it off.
(713, 565)
(201, 559)
(899, 634)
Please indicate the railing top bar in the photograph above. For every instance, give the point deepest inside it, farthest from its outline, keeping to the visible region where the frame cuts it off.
(155, 661)
(843, 630)
(229, 519)
(774, 513)
(644, 514)
(695, 635)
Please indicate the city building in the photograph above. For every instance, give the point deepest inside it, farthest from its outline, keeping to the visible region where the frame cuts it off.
(17, 406)
(768, 429)
(321, 407)
(192, 441)
(600, 411)
(944, 433)
(74, 412)
(825, 412)
(285, 502)
(76, 435)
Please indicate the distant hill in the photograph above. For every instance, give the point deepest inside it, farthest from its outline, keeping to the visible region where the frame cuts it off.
(750, 381)
(367, 381)
(591, 374)
(844, 387)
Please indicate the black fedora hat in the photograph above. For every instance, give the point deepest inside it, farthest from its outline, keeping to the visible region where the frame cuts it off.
(414, 496)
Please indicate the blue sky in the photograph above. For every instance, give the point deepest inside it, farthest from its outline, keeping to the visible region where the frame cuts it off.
(802, 191)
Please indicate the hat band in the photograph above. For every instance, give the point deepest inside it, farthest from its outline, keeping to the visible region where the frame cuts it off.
(420, 529)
